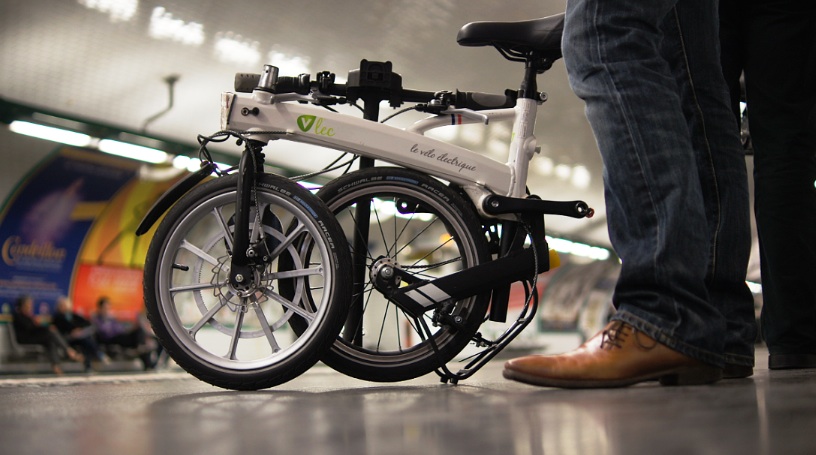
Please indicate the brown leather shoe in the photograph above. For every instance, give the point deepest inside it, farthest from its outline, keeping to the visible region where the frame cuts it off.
(618, 356)
(734, 371)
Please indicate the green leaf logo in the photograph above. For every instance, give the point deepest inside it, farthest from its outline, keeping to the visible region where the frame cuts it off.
(305, 122)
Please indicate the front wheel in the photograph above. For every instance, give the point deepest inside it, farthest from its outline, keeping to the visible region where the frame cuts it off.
(242, 338)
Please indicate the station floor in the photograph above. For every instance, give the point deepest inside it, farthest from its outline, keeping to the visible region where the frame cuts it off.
(323, 412)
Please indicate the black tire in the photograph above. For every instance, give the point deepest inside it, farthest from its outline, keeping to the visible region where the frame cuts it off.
(195, 313)
(435, 233)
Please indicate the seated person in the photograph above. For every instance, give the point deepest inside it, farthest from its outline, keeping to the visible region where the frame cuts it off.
(78, 332)
(29, 331)
(111, 331)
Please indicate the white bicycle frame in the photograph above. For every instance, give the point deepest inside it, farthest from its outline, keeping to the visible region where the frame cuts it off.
(262, 113)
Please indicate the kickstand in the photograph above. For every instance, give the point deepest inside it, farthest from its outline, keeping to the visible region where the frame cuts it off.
(480, 359)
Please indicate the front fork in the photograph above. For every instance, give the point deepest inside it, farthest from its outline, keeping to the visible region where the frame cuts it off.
(249, 168)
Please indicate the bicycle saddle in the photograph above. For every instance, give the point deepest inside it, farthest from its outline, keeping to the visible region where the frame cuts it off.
(542, 36)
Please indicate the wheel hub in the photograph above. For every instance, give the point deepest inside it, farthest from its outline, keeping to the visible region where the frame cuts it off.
(248, 286)
(384, 274)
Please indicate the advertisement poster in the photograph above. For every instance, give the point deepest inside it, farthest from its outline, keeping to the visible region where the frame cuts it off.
(111, 261)
(45, 222)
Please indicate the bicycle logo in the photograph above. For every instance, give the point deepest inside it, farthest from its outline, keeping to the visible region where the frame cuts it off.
(306, 122)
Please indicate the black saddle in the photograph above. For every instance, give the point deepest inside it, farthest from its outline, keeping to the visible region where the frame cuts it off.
(539, 36)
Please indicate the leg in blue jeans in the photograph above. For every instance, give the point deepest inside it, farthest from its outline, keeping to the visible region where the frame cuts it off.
(676, 197)
(721, 169)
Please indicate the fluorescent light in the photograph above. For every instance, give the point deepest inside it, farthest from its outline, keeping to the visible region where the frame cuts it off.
(50, 133)
(193, 164)
(118, 10)
(574, 248)
(581, 177)
(545, 165)
(289, 64)
(136, 152)
(233, 48)
(387, 209)
(182, 162)
(578, 249)
(164, 26)
(563, 171)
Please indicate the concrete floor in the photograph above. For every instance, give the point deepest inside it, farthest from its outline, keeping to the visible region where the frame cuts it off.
(323, 412)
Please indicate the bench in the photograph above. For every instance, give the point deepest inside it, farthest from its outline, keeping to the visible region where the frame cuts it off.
(17, 351)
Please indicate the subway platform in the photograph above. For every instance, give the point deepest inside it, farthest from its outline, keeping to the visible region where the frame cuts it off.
(323, 412)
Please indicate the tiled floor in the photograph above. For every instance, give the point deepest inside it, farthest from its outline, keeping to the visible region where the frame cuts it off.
(322, 412)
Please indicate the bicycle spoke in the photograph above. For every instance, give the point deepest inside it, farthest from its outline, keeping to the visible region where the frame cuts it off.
(380, 228)
(367, 291)
(410, 320)
(289, 305)
(430, 253)
(236, 333)
(198, 252)
(294, 273)
(357, 232)
(287, 241)
(197, 287)
(424, 276)
(265, 327)
(398, 236)
(382, 325)
(399, 329)
(222, 223)
(408, 243)
(193, 331)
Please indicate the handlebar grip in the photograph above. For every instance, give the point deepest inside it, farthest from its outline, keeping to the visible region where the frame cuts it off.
(246, 82)
(417, 96)
(478, 101)
(292, 84)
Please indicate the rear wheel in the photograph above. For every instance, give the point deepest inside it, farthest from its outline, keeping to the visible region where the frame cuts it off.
(429, 231)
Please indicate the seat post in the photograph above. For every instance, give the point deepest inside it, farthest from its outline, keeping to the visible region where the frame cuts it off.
(534, 64)
(529, 86)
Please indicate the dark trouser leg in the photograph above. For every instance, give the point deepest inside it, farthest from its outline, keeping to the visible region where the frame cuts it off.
(780, 70)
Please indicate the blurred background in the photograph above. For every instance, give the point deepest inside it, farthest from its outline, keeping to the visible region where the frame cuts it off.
(108, 61)
(152, 72)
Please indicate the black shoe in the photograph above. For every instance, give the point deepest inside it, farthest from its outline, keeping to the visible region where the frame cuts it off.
(732, 371)
(791, 361)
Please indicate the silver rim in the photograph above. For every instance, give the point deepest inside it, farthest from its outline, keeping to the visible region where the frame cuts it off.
(229, 329)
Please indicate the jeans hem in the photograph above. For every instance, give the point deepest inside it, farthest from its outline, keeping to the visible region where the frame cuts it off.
(659, 335)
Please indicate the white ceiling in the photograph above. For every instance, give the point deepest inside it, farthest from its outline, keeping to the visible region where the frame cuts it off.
(93, 63)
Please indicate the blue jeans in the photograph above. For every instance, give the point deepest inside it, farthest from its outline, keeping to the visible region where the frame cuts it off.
(674, 172)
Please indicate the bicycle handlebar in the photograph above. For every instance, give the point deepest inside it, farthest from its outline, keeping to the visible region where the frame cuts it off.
(478, 101)
(247, 82)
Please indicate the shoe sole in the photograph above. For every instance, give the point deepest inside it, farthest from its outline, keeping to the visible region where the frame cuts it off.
(693, 375)
(791, 361)
(732, 371)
